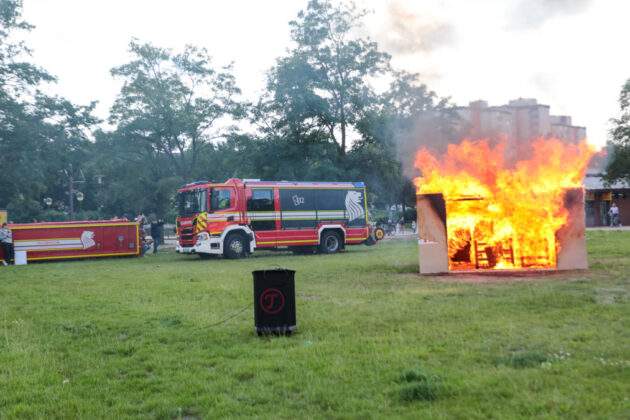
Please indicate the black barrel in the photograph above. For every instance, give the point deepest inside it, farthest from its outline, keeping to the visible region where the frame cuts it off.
(274, 301)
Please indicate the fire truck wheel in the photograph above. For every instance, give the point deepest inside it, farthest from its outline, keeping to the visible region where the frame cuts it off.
(330, 243)
(234, 246)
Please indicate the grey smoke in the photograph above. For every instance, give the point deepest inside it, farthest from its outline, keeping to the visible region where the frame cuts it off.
(531, 14)
(433, 131)
(408, 33)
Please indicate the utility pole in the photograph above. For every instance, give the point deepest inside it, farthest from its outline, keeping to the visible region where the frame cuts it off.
(70, 192)
(100, 194)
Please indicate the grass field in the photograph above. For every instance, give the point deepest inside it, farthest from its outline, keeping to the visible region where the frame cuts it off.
(171, 336)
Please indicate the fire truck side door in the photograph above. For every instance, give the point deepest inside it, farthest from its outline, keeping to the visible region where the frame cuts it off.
(261, 212)
(221, 199)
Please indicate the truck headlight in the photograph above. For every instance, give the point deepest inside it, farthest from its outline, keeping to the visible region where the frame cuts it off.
(203, 236)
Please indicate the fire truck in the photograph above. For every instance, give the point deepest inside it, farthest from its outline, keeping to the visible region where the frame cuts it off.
(239, 216)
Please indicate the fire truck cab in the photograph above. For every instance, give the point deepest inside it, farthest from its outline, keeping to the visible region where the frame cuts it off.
(237, 217)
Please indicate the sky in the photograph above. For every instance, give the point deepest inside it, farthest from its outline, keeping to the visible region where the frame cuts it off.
(568, 54)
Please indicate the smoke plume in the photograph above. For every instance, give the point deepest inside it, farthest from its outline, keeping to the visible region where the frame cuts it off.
(408, 33)
(531, 14)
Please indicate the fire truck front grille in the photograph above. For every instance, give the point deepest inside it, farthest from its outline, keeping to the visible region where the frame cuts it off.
(187, 235)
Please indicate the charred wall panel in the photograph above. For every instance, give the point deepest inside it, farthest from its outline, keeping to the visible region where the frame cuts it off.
(432, 241)
(571, 237)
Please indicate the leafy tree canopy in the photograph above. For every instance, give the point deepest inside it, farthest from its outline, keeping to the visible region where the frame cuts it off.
(619, 166)
(323, 83)
(170, 104)
(39, 134)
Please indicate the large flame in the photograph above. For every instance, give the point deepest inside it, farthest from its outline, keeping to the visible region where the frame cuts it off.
(499, 217)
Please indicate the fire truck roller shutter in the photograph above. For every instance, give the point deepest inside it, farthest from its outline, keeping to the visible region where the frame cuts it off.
(342, 206)
(298, 208)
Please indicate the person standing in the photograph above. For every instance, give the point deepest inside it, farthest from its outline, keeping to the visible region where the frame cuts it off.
(6, 237)
(614, 215)
(156, 230)
(400, 227)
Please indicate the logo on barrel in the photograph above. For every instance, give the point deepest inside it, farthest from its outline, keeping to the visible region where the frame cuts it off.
(272, 301)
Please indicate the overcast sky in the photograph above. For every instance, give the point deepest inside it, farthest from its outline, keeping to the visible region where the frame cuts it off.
(569, 54)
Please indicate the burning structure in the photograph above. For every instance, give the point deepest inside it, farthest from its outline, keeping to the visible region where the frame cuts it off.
(477, 211)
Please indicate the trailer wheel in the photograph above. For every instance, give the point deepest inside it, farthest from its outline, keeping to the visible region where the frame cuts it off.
(330, 243)
(379, 233)
(234, 246)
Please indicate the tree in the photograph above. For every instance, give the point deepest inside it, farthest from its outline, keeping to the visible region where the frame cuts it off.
(322, 85)
(619, 166)
(39, 134)
(170, 104)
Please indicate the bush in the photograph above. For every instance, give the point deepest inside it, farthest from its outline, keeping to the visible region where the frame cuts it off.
(86, 215)
(418, 385)
(522, 360)
(24, 210)
(51, 215)
(410, 214)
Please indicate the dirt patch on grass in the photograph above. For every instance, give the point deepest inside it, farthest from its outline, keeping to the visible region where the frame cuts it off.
(611, 295)
(498, 277)
(307, 297)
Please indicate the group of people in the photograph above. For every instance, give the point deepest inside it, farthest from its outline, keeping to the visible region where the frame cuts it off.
(400, 226)
(154, 238)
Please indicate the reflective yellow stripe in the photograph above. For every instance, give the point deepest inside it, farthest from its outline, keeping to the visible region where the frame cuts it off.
(81, 256)
(73, 226)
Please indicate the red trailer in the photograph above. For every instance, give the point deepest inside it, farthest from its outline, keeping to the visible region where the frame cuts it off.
(85, 239)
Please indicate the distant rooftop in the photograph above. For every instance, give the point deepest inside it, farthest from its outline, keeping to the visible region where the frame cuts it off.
(594, 181)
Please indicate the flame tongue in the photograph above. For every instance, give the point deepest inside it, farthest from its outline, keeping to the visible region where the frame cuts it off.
(500, 217)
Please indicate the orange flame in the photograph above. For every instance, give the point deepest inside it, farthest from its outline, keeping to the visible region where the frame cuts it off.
(500, 217)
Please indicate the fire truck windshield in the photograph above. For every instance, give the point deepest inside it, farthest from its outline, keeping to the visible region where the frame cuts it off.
(192, 202)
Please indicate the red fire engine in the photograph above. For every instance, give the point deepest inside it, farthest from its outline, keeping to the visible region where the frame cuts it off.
(236, 217)
(71, 240)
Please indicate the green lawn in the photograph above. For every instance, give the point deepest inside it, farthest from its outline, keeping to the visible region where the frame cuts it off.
(171, 336)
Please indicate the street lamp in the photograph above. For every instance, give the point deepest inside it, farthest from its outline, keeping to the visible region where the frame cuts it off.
(48, 202)
(99, 194)
(80, 200)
